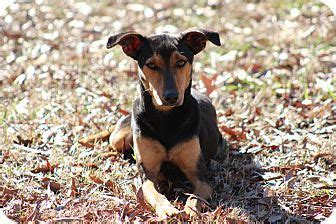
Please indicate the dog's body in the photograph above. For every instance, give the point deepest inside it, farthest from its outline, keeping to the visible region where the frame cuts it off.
(170, 121)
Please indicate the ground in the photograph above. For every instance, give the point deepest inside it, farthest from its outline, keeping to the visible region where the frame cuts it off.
(272, 82)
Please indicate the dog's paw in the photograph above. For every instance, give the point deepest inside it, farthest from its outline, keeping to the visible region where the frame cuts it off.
(165, 210)
(192, 207)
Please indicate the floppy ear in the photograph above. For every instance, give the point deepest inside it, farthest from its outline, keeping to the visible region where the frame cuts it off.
(196, 39)
(131, 42)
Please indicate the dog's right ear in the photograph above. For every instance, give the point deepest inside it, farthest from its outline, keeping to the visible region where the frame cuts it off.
(131, 42)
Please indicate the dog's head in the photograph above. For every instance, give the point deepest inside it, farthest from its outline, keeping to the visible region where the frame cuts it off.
(165, 61)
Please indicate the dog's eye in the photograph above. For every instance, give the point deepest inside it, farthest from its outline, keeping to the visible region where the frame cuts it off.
(152, 66)
(180, 63)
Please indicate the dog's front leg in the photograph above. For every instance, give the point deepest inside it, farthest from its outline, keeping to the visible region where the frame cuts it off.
(188, 157)
(150, 154)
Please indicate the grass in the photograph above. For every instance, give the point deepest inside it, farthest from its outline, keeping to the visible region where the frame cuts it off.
(282, 171)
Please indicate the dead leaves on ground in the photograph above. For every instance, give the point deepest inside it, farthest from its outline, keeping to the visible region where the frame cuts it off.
(274, 92)
(45, 168)
(233, 134)
(209, 83)
(51, 184)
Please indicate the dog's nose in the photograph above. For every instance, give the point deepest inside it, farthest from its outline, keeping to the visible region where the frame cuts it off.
(170, 96)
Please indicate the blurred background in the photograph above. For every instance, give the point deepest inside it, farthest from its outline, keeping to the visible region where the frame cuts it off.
(272, 81)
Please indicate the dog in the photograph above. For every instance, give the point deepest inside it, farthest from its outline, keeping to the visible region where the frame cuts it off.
(170, 122)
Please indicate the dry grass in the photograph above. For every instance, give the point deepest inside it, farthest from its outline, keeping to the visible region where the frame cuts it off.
(274, 93)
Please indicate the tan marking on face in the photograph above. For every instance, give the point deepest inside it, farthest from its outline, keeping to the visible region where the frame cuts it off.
(153, 79)
(182, 75)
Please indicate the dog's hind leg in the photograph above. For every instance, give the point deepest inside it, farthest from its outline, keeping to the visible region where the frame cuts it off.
(121, 139)
(119, 136)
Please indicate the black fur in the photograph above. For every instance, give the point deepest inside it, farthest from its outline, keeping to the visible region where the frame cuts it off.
(196, 116)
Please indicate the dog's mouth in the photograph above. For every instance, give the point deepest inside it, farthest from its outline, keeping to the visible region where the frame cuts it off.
(172, 104)
(164, 105)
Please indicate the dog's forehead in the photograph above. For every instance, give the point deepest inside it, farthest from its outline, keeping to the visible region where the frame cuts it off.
(164, 42)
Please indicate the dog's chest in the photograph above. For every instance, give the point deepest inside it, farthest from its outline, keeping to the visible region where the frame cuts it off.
(169, 129)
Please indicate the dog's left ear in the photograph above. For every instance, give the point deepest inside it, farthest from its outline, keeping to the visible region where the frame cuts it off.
(131, 42)
(196, 39)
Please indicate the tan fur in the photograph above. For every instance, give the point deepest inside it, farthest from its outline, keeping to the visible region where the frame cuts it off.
(163, 208)
(154, 80)
(121, 139)
(182, 78)
(186, 156)
(150, 153)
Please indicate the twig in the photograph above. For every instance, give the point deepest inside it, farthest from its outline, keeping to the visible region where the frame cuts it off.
(32, 150)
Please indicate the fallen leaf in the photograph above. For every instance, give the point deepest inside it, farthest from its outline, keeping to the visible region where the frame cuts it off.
(229, 112)
(5, 190)
(209, 83)
(89, 165)
(45, 168)
(141, 200)
(53, 185)
(236, 135)
(96, 180)
(22, 141)
(73, 190)
(110, 184)
(123, 112)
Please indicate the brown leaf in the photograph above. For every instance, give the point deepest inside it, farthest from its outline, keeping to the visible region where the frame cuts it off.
(54, 186)
(123, 112)
(141, 200)
(73, 191)
(237, 135)
(258, 111)
(209, 83)
(96, 180)
(12, 34)
(110, 184)
(45, 168)
(229, 112)
(219, 211)
(108, 154)
(89, 165)
(22, 141)
(5, 191)
(254, 68)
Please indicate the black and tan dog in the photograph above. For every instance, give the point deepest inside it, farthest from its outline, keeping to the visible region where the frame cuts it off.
(170, 122)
